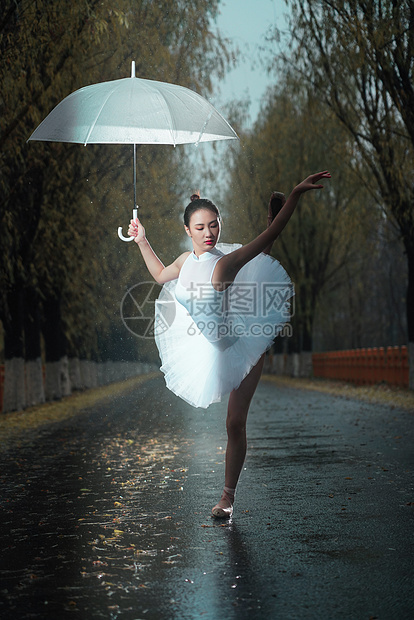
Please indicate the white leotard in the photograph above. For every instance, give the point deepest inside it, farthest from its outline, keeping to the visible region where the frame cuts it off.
(208, 308)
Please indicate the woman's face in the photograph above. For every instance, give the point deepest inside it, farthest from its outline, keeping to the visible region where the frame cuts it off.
(204, 230)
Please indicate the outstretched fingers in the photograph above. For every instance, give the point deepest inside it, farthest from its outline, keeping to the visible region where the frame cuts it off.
(314, 178)
(311, 182)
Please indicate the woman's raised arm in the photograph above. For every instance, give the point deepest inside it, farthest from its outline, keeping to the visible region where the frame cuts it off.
(228, 267)
(159, 272)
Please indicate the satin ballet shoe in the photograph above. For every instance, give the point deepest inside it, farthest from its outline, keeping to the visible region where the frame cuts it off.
(276, 202)
(221, 512)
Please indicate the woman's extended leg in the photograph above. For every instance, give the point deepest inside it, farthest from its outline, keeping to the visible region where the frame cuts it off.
(238, 407)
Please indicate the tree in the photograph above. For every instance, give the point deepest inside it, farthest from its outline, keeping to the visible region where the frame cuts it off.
(293, 138)
(358, 55)
(50, 244)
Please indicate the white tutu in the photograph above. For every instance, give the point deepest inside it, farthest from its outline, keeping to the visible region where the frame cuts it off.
(205, 357)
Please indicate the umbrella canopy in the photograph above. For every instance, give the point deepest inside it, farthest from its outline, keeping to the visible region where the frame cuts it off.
(134, 111)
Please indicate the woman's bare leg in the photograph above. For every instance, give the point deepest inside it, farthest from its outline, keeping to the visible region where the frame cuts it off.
(239, 403)
(238, 408)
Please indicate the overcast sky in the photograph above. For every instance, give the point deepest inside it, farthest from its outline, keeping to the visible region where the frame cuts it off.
(246, 23)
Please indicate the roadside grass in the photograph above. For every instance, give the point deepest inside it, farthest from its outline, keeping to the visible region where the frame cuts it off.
(16, 422)
(381, 394)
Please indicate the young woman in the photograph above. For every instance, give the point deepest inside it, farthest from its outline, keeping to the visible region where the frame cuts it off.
(220, 309)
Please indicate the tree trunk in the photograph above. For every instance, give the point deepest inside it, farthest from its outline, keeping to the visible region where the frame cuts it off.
(75, 373)
(35, 392)
(35, 389)
(305, 305)
(14, 388)
(89, 374)
(57, 366)
(302, 364)
(14, 383)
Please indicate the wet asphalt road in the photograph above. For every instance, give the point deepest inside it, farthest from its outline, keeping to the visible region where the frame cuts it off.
(107, 515)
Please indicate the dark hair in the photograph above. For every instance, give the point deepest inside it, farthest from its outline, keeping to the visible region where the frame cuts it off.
(196, 204)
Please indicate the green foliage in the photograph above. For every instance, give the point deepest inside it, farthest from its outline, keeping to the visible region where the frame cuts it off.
(60, 204)
(293, 138)
(358, 56)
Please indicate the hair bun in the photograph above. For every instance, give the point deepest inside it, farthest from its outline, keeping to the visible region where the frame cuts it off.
(195, 196)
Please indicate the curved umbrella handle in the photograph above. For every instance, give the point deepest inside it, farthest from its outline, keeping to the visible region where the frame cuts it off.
(120, 235)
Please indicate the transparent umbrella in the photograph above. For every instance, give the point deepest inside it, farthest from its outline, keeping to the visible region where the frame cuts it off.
(134, 111)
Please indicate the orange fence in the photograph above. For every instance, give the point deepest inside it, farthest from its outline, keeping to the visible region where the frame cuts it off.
(364, 366)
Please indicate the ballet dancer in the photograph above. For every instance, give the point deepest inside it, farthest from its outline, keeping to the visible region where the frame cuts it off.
(214, 344)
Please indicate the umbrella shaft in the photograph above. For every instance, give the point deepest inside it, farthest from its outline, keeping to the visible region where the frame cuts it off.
(135, 177)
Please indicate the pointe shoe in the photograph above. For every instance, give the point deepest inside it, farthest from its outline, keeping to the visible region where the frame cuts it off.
(222, 513)
(226, 512)
(276, 202)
